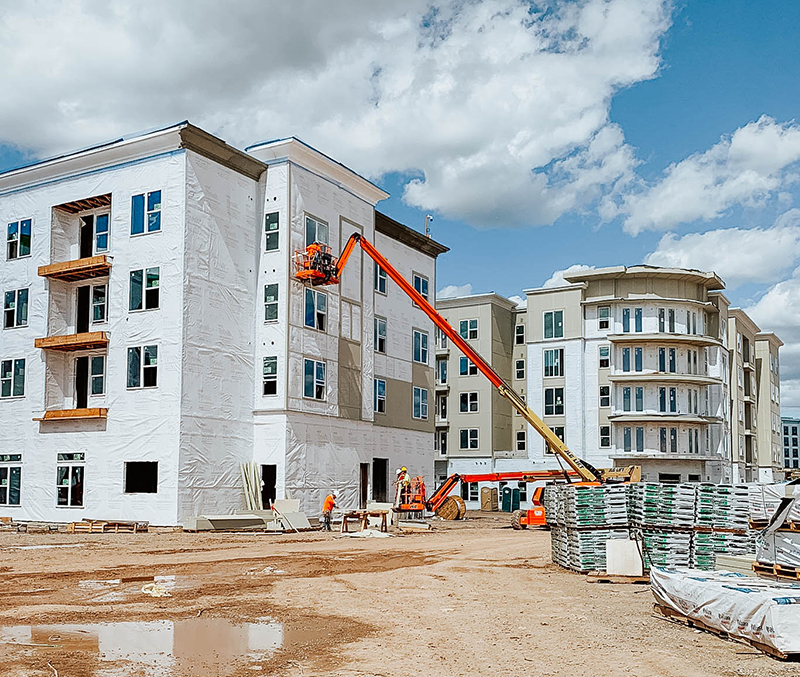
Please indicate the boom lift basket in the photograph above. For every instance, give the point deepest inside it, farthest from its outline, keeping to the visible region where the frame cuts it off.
(316, 264)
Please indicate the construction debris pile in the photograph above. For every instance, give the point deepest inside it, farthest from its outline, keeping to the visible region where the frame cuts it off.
(676, 524)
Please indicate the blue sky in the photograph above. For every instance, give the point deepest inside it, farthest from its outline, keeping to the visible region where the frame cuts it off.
(541, 134)
(724, 65)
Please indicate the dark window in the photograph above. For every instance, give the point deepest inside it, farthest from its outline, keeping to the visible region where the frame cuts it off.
(141, 477)
(271, 231)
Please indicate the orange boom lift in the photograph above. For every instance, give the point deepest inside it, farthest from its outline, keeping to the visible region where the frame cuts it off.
(317, 266)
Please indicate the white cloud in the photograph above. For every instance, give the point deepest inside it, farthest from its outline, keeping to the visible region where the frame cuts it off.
(738, 255)
(521, 302)
(746, 169)
(452, 291)
(500, 107)
(557, 278)
(778, 310)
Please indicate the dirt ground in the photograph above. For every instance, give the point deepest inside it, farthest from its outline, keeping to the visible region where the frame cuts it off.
(468, 598)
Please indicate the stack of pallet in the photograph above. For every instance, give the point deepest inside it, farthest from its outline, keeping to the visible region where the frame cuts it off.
(582, 519)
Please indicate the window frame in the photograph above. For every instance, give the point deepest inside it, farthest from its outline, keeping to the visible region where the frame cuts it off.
(145, 212)
(469, 439)
(380, 279)
(93, 377)
(377, 398)
(424, 285)
(519, 336)
(471, 367)
(145, 297)
(606, 359)
(604, 398)
(603, 321)
(71, 461)
(557, 366)
(521, 439)
(9, 463)
(553, 406)
(466, 330)
(604, 438)
(318, 222)
(377, 337)
(424, 351)
(554, 326)
(95, 305)
(316, 382)
(17, 241)
(319, 318)
(269, 376)
(421, 413)
(12, 377)
(270, 232)
(468, 402)
(140, 383)
(519, 371)
(638, 320)
(15, 308)
(272, 301)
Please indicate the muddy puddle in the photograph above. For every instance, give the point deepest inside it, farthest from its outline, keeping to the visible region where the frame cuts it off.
(210, 646)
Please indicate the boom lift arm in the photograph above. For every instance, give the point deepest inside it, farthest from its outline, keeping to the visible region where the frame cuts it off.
(317, 266)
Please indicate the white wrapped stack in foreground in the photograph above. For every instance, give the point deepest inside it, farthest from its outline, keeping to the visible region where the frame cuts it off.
(764, 613)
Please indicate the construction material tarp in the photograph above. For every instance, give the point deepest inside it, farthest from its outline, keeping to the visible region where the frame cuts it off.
(760, 611)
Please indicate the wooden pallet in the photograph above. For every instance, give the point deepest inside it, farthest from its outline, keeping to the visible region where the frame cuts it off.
(780, 571)
(671, 614)
(788, 525)
(603, 577)
(107, 527)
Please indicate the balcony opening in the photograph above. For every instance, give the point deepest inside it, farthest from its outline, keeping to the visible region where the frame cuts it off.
(83, 309)
(82, 383)
(86, 237)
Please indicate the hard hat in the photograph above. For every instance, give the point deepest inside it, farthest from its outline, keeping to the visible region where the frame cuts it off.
(404, 469)
(333, 493)
(399, 471)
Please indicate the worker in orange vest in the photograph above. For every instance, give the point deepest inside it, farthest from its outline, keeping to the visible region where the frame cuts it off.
(327, 509)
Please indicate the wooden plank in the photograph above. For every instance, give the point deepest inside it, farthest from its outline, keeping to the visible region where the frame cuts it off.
(603, 577)
(89, 340)
(693, 623)
(77, 269)
(73, 414)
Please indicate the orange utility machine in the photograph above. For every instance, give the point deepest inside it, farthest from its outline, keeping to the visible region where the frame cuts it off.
(317, 266)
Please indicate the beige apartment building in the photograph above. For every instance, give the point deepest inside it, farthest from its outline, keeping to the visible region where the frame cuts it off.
(638, 365)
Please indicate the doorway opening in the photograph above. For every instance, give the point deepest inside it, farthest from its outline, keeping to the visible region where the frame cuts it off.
(363, 485)
(380, 476)
(269, 481)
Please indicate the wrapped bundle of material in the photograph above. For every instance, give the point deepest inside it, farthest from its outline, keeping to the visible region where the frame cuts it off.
(587, 549)
(662, 505)
(764, 613)
(732, 509)
(559, 546)
(596, 506)
(764, 500)
(667, 548)
(706, 546)
(551, 502)
(705, 505)
(781, 548)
